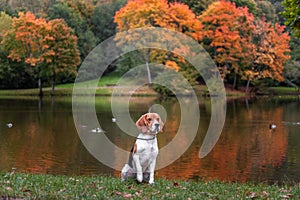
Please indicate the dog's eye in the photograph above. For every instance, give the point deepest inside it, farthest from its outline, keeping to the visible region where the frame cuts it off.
(149, 119)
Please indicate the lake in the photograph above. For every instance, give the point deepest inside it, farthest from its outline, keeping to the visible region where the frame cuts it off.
(43, 139)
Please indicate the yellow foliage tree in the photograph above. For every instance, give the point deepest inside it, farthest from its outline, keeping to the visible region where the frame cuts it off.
(157, 13)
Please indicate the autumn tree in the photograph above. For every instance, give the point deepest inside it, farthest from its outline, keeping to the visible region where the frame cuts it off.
(157, 13)
(227, 31)
(41, 45)
(271, 52)
(31, 34)
(62, 54)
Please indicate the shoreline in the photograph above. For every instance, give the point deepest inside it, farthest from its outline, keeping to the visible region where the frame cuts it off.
(145, 91)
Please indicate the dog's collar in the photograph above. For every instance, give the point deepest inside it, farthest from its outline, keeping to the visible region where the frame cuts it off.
(147, 139)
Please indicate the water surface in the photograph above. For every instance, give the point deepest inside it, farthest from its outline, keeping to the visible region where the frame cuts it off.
(43, 139)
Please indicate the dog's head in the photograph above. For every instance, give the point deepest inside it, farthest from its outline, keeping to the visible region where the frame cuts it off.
(150, 123)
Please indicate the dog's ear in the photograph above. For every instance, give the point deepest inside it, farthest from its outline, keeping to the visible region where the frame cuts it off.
(141, 123)
(161, 123)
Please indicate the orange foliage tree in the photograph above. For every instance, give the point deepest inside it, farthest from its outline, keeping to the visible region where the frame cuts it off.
(227, 31)
(29, 33)
(157, 13)
(39, 44)
(63, 54)
(271, 53)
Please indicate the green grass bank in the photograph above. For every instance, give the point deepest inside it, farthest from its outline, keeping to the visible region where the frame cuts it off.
(105, 87)
(28, 186)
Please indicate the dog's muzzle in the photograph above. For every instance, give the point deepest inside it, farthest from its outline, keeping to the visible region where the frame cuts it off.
(157, 127)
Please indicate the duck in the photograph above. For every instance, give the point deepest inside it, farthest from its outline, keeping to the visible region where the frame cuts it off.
(272, 126)
(97, 130)
(113, 120)
(9, 125)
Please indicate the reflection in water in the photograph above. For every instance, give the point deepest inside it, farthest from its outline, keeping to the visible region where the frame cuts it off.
(45, 140)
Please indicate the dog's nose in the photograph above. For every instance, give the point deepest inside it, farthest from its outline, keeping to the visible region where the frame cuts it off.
(156, 125)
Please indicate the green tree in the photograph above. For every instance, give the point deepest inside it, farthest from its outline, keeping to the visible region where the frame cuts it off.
(79, 22)
(292, 73)
(103, 19)
(197, 6)
(5, 23)
(267, 10)
(292, 68)
(292, 15)
(5, 7)
(250, 4)
(12, 74)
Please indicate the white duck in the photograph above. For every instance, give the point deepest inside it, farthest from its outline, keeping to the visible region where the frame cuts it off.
(272, 126)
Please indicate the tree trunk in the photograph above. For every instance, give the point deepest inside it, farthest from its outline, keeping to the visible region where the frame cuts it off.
(53, 84)
(234, 81)
(247, 87)
(40, 86)
(148, 69)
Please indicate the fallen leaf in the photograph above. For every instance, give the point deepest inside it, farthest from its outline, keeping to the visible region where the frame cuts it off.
(127, 195)
(137, 194)
(283, 190)
(265, 193)
(252, 195)
(117, 193)
(285, 196)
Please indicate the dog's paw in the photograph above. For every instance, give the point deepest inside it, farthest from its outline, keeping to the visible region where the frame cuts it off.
(151, 183)
(139, 177)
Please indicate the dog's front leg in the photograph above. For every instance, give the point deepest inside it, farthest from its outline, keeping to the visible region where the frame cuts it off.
(138, 167)
(151, 169)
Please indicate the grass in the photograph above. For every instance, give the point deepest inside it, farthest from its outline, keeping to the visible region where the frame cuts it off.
(106, 82)
(28, 186)
(67, 89)
(284, 91)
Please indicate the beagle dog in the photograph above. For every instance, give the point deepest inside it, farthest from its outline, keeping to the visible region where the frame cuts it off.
(142, 158)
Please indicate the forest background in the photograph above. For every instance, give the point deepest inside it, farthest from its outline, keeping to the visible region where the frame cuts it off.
(43, 43)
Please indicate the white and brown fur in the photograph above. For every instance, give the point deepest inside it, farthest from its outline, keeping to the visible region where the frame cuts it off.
(142, 158)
